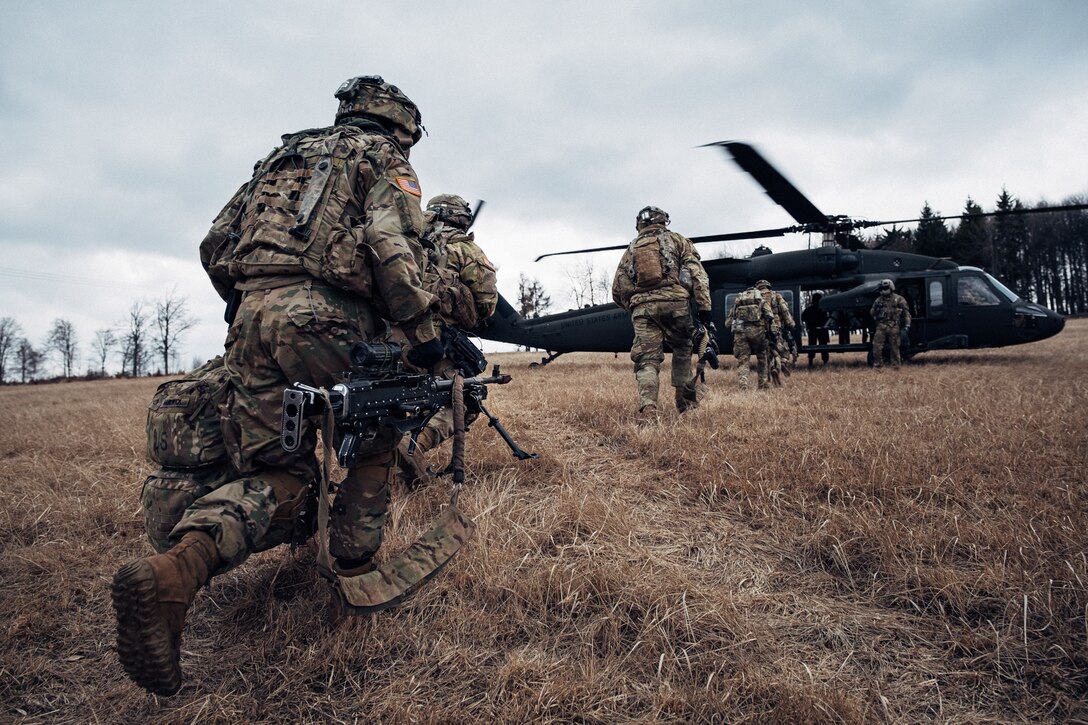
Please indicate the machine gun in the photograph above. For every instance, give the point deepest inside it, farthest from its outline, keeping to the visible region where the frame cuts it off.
(378, 393)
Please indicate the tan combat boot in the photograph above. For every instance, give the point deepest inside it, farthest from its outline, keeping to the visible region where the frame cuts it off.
(151, 596)
(686, 398)
(647, 415)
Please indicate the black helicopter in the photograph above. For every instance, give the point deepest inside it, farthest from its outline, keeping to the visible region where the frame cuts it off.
(953, 307)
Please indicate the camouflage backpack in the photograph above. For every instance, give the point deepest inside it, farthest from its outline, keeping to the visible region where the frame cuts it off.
(651, 265)
(748, 306)
(183, 418)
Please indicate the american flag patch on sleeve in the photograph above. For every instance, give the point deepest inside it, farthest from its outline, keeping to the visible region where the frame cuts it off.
(410, 185)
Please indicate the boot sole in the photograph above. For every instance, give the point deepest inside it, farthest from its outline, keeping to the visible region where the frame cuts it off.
(143, 639)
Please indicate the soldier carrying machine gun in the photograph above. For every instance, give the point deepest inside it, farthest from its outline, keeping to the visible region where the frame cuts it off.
(381, 392)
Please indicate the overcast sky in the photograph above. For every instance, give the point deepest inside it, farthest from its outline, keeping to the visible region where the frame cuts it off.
(125, 126)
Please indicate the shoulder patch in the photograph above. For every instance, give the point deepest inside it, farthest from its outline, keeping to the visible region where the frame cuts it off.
(410, 185)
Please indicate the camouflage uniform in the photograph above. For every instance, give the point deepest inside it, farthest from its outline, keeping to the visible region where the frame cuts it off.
(310, 289)
(889, 312)
(463, 279)
(312, 255)
(782, 324)
(661, 313)
(748, 319)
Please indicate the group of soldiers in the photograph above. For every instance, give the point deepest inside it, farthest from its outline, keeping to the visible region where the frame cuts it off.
(325, 246)
(661, 282)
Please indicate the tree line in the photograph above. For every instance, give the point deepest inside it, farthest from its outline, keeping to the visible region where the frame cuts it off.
(1043, 257)
(149, 336)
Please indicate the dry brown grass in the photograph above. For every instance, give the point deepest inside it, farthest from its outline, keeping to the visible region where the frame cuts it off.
(855, 547)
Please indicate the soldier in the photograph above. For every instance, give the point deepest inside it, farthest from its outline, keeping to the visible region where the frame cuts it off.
(748, 319)
(815, 320)
(782, 324)
(890, 313)
(461, 276)
(314, 251)
(657, 279)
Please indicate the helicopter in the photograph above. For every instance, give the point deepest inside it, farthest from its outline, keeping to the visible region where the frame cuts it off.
(953, 307)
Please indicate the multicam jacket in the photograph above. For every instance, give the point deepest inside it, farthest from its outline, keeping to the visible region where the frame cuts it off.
(460, 275)
(891, 309)
(685, 278)
(750, 307)
(780, 309)
(340, 204)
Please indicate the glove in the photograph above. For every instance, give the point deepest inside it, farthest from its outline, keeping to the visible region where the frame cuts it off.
(426, 354)
(704, 317)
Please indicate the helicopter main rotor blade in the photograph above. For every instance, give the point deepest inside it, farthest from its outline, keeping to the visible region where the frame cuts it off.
(863, 224)
(760, 234)
(581, 251)
(781, 191)
(475, 213)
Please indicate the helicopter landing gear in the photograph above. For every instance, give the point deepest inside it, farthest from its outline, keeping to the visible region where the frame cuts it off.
(545, 360)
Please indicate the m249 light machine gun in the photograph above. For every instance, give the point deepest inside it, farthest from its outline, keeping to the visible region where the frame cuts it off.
(379, 392)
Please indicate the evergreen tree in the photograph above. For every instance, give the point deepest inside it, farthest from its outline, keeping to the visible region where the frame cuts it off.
(1009, 235)
(971, 242)
(932, 237)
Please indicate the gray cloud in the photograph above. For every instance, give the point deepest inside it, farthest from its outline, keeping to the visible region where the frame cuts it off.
(127, 125)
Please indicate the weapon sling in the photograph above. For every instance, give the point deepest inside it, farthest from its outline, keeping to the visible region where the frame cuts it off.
(401, 576)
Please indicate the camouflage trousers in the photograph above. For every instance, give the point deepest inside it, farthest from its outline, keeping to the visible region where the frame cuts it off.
(886, 335)
(658, 323)
(301, 332)
(750, 340)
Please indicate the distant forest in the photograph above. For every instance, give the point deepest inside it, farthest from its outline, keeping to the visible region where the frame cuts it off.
(1043, 257)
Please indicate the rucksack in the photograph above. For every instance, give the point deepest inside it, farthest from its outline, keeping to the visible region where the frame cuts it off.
(651, 266)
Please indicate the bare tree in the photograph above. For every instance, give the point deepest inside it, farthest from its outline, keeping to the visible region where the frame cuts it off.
(28, 359)
(63, 341)
(9, 342)
(134, 341)
(172, 321)
(104, 342)
(589, 285)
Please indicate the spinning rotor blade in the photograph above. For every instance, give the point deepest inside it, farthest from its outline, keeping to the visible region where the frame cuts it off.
(862, 224)
(761, 234)
(476, 212)
(781, 191)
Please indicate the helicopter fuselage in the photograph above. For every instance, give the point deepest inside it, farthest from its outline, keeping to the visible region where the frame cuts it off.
(953, 307)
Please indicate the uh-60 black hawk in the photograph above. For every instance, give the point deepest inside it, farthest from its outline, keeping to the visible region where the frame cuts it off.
(953, 307)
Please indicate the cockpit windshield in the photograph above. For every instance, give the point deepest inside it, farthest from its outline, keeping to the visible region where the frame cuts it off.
(1013, 297)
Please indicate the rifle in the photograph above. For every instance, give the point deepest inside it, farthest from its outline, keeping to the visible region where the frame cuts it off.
(378, 393)
(705, 344)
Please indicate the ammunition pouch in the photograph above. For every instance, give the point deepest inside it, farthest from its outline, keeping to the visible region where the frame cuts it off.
(183, 419)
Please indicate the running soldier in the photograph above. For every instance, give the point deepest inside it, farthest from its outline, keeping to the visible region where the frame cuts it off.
(313, 254)
(890, 313)
(658, 277)
(460, 275)
(749, 319)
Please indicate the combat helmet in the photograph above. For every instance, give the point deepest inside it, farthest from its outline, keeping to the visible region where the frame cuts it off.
(450, 209)
(763, 284)
(649, 215)
(886, 286)
(372, 96)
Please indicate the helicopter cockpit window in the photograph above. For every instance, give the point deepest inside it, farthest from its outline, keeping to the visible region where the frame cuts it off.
(1013, 297)
(974, 292)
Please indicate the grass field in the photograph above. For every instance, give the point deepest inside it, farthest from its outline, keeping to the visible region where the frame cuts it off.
(855, 547)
